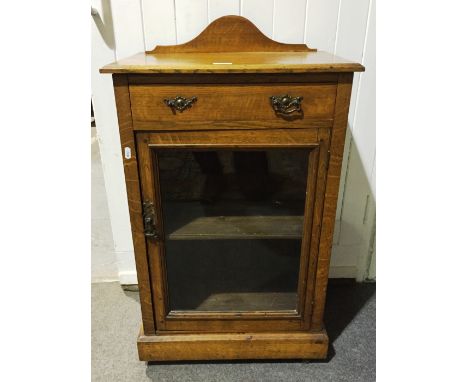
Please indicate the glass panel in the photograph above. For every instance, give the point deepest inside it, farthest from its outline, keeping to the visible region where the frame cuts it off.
(233, 227)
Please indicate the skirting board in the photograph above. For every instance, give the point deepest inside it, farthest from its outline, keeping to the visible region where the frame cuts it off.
(336, 272)
(128, 277)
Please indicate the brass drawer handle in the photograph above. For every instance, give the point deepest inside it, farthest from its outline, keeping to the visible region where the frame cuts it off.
(286, 104)
(180, 103)
(149, 221)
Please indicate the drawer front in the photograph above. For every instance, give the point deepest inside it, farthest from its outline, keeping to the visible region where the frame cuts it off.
(224, 105)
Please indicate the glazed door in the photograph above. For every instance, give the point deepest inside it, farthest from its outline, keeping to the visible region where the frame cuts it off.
(229, 229)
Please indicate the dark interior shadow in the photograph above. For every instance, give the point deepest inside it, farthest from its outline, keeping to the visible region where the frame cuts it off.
(345, 298)
(195, 278)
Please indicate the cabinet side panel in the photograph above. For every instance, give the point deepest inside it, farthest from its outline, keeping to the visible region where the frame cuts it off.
(132, 182)
(331, 195)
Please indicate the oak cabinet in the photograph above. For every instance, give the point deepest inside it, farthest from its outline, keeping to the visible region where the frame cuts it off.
(232, 146)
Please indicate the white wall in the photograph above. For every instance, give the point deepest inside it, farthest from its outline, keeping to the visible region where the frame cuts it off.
(105, 34)
(343, 27)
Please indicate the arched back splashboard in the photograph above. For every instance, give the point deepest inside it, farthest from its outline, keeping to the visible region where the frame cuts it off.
(231, 34)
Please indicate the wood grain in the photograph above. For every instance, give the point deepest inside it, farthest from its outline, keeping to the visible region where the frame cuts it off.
(236, 62)
(290, 138)
(132, 181)
(294, 345)
(214, 125)
(188, 221)
(308, 255)
(317, 212)
(231, 34)
(248, 302)
(331, 195)
(155, 248)
(240, 227)
(232, 322)
(232, 78)
(231, 103)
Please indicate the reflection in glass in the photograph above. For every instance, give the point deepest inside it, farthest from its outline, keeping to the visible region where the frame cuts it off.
(233, 227)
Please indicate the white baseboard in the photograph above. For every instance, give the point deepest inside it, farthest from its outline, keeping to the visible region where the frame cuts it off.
(128, 278)
(97, 280)
(336, 272)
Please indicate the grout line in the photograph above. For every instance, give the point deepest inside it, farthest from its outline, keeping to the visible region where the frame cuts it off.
(143, 25)
(358, 90)
(373, 173)
(367, 32)
(345, 181)
(337, 27)
(241, 6)
(273, 21)
(175, 23)
(358, 93)
(208, 11)
(306, 18)
(366, 210)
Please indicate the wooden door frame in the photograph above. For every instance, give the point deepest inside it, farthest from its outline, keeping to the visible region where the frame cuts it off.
(316, 140)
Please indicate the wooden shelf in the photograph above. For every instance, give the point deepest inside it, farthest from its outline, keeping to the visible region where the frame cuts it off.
(193, 221)
(240, 227)
(245, 302)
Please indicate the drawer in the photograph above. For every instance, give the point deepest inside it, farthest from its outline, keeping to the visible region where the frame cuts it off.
(225, 106)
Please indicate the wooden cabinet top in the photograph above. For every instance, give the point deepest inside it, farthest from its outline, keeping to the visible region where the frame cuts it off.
(232, 44)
